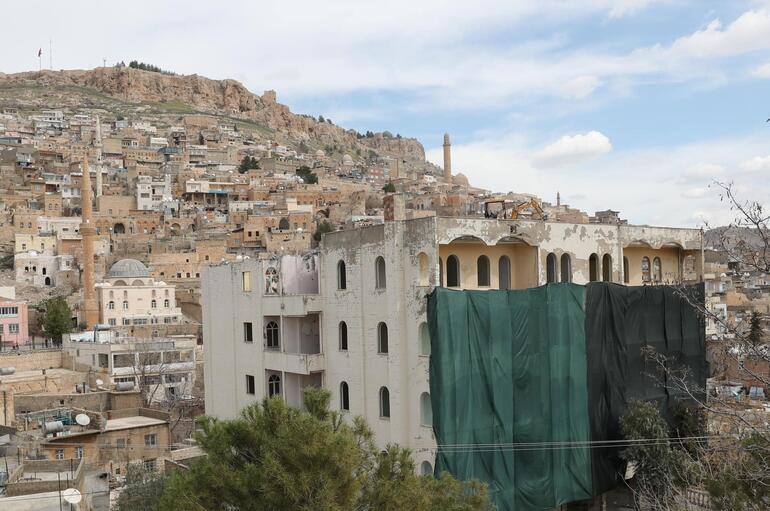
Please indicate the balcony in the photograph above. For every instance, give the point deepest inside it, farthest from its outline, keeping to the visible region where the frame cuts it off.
(298, 363)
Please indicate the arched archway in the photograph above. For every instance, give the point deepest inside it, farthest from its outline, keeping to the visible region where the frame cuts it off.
(550, 268)
(607, 268)
(283, 224)
(119, 228)
(566, 268)
(452, 271)
(504, 272)
(48, 281)
(593, 268)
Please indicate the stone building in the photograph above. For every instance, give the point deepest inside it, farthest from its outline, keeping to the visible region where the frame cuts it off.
(130, 296)
(354, 319)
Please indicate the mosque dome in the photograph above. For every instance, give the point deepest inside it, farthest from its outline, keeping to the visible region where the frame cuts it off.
(128, 268)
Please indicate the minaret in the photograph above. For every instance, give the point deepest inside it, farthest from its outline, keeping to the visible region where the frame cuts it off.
(558, 199)
(99, 156)
(447, 159)
(87, 231)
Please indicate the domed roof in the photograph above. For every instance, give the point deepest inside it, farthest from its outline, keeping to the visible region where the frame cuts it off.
(347, 160)
(128, 268)
(460, 179)
(320, 153)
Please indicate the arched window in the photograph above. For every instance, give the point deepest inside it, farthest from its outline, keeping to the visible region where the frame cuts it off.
(342, 278)
(344, 397)
(566, 268)
(343, 336)
(125, 304)
(657, 270)
(424, 339)
(626, 276)
(426, 469)
(274, 385)
(384, 402)
(272, 337)
(111, 305)
(283, 224)
(379, 268)
(166, 303)
(44, 270)
(382, 338)
(607, 268)
(645, 269)
(452, 271)
(426, 412)
(593, 268)
(422, 260)
(504, 273)
(153, 304)
(550, 268)
(271, 281)
(482, 271)
(440, 272)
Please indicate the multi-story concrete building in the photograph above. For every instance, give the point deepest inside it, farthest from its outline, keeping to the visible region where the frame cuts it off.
(353, 318)
(161, 367)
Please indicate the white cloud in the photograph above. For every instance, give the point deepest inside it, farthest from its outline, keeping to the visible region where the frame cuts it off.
(757, 164)
(746, 34)
(695, 193)
(762, 71)
(641, 184)
(573, 149)
(581, 86)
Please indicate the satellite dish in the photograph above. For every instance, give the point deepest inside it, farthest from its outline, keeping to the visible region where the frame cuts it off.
(99, 382)
(71, 495)
(83, 419)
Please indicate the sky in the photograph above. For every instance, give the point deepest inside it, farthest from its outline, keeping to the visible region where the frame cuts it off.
(633, 105)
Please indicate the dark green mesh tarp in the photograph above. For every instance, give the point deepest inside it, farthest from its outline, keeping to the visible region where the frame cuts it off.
(510, 367)
(621, 321)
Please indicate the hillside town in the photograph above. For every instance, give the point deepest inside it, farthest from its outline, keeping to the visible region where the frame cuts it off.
(158, 266)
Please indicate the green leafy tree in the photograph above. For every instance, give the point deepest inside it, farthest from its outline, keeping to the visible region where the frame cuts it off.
(324, 227)
(755, 334)
(56, 318)
(321, 118)
(742, 483)
(389, 188)
(661, 470)
(307, 175)
(277, 457)
(248, 163)
(142, 491)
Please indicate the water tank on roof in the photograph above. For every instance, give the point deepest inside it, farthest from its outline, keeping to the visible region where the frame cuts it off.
(53, 427)
(123, 386)
(5, 371)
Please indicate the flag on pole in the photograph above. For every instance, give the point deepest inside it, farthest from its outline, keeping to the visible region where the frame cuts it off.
(40, 52)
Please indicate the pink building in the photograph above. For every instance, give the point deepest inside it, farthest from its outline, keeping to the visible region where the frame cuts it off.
(13, 323)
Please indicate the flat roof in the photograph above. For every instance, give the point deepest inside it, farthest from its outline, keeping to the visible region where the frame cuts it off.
(136, 421)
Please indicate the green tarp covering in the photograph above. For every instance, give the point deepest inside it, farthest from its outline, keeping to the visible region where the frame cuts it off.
(621, 321)
(510, 367)
(540, 366)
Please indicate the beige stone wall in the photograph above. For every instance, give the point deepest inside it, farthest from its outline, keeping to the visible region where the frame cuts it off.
(43, 359)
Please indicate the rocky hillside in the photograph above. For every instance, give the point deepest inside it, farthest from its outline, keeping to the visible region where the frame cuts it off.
(145, 91)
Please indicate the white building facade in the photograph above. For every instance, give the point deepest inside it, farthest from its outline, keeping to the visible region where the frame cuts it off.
(366, 299)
